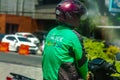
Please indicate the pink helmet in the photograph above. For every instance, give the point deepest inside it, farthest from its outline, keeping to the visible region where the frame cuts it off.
(68, 9)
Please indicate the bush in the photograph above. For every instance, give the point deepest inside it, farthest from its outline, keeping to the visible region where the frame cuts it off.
(99, 49)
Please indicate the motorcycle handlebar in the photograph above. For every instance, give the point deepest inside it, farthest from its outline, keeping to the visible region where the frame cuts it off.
(99, 63)
(20, 77)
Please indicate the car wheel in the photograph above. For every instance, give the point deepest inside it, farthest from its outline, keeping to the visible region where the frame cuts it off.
(17, 50)
(33, 53)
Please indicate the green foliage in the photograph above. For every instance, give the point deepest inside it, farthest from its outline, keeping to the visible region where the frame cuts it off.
(118, 68)
(112, 51)
(96, 49)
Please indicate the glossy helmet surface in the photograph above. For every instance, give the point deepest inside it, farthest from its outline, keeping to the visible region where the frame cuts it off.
(68, 9)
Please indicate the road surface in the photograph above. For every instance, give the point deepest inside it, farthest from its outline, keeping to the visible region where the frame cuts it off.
(29, 66)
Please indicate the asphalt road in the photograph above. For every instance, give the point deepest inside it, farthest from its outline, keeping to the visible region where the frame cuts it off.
(15, 58)
(26, 65)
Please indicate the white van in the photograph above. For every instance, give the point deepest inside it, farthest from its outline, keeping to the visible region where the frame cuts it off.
(16, 41)
(29, 36)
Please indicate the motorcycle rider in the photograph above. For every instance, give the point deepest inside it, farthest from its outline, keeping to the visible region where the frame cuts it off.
(63, 57)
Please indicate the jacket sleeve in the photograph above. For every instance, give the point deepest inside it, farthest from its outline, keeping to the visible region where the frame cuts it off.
(80, 58)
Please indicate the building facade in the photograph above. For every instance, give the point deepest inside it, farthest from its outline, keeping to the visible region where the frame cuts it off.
(26, 15)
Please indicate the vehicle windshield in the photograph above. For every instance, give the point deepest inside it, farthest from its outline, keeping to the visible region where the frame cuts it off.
(29, 36)
(23, 39)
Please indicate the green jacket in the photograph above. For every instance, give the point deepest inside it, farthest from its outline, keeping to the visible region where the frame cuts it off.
(56, 52)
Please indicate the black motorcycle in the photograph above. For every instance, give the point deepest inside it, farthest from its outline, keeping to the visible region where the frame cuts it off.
(100, 69)
(18, 77)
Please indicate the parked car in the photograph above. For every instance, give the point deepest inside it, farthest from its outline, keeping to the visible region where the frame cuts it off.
(16, 41)
(1, 37)
(29, 36)
(41, 35)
